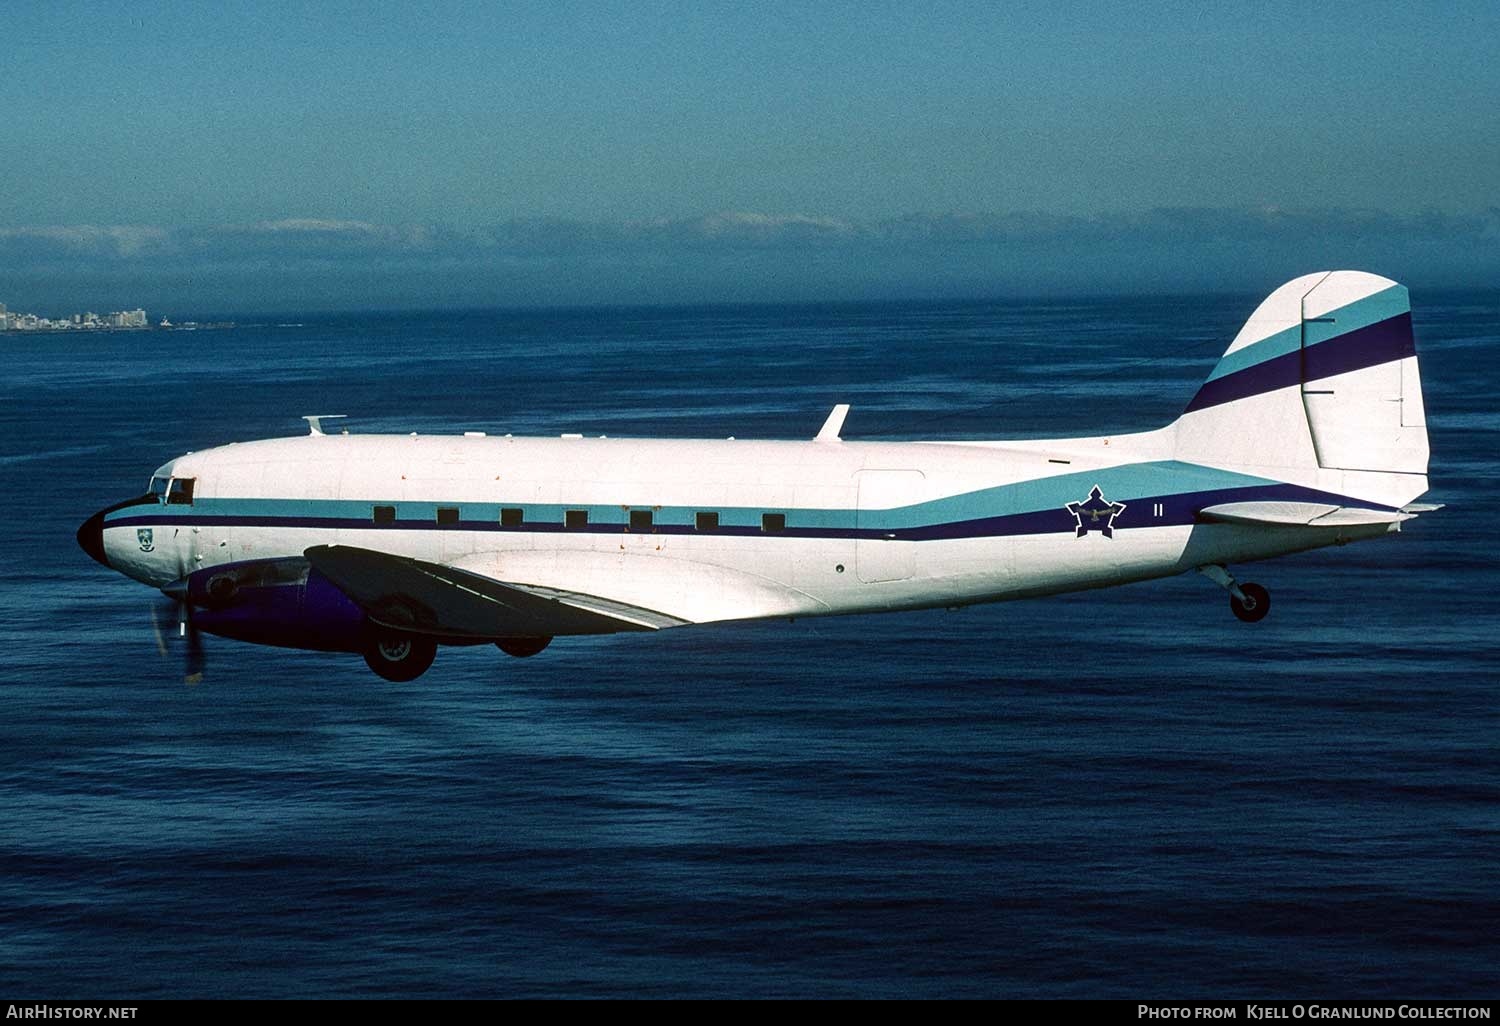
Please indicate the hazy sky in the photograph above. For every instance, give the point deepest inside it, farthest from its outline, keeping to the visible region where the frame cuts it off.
(340, 155)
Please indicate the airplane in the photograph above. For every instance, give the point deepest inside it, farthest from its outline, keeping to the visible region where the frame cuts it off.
(1309, 432)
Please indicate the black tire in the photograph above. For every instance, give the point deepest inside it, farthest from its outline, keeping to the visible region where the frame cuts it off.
(399, 657)
(523, 647)
(1256, 606)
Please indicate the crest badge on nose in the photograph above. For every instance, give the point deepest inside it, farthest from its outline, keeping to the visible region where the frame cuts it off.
(143, 535)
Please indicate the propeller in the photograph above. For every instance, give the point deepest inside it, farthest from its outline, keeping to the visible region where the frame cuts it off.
(180, 617)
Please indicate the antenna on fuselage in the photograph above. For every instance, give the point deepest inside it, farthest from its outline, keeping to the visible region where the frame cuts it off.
(834, 424)
(315, 421)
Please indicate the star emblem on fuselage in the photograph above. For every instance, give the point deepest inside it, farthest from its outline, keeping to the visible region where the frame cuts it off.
(1096, 513)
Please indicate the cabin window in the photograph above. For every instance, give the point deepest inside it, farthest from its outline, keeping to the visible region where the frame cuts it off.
(770, 522)
(707, 521)
(640, 520)
(447, 516)
(574, 519)
(512, 517)
(385, 514)
(181, 492)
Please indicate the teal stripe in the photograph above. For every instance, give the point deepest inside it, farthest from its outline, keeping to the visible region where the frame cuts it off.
(1361, 313)
(1288, 340)
(612, 513)
(1166, 477)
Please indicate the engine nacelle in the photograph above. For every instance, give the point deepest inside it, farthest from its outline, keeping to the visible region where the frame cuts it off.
(276, 602)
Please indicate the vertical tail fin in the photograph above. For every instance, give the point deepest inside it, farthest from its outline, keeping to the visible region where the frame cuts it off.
(1323, 378)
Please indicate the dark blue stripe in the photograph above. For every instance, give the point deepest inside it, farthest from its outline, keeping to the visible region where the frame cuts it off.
(1277, 372)
(1179, 509)
(1370, 346)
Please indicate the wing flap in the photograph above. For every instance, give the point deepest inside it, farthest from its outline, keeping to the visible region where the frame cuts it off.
(444, 601)
(645, 619)
(1298, 514)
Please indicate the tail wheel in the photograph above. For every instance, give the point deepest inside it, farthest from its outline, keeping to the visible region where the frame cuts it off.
(1256, 605)
(400, 657)
(523, 647)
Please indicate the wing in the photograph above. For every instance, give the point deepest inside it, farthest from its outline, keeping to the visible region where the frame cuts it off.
(430, 598)
(502, 594)
(1308, 514)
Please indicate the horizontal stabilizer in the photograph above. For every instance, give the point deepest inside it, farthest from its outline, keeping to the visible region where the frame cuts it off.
(443, 601)
(1353, 516)
(1304, 514)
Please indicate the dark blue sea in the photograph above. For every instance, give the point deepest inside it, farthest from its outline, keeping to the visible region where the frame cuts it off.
(1126, 793)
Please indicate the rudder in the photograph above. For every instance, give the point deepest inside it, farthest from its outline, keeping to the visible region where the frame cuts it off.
(1360, 384)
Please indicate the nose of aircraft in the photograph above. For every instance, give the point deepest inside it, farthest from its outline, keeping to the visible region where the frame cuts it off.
(91, 537)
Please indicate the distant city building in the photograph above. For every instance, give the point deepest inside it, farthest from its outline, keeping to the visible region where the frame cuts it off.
(73, 322)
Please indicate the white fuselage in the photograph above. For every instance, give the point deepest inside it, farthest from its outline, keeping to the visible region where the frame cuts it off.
(737, 529)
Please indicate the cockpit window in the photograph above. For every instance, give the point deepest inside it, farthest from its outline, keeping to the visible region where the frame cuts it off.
(159, 488)
(181, 492)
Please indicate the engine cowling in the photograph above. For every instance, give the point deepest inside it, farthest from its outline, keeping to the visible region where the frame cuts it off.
(281, 602)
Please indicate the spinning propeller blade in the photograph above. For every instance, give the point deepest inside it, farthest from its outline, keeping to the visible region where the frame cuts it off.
(182, 615)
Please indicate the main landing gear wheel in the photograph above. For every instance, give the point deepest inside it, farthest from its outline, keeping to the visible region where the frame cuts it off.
(1254, 607)
(400, 657)
(523, 647)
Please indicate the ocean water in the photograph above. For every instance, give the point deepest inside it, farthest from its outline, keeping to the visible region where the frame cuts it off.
(1125, 793)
